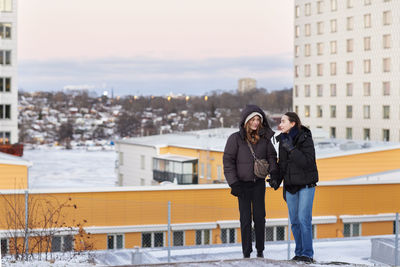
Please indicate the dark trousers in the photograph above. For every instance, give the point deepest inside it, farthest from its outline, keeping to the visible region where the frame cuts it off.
(252, 206)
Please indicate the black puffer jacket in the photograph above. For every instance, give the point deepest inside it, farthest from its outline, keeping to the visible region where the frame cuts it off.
(238, 161)
(298, 168)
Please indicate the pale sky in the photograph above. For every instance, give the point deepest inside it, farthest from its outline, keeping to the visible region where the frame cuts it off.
(154, 46)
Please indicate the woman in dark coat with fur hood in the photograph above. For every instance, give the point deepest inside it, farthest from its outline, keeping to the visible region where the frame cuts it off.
(239, 172)
(299, 172)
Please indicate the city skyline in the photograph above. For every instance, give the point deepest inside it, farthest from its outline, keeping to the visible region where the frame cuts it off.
(154, 47)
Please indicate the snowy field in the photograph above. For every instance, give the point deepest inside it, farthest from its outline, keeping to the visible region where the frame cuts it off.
(355, 252)
(54, 168)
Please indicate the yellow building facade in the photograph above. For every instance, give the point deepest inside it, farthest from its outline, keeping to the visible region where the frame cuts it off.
(127, 217)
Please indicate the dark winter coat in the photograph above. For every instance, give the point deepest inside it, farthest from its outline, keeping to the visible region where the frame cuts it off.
(298, 168)
(238, 160)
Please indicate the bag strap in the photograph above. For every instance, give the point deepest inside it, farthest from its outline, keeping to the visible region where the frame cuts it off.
(251, 149)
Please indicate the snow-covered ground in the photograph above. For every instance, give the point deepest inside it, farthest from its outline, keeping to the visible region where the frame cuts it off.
(355, 252)
(54, 168)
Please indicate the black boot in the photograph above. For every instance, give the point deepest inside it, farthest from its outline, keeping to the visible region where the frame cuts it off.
(260, 254)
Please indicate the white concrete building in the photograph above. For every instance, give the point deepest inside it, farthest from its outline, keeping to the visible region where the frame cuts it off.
(140, 159)
(347, 67)
(8, 72)
(246, 84)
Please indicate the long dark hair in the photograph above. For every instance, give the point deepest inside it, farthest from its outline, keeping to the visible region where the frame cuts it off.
(252, 136)
(293, 117)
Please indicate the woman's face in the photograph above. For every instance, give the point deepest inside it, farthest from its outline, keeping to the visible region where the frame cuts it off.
(254, 122)
(285, 124)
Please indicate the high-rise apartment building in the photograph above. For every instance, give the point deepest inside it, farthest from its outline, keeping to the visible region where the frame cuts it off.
(246, 84)
(8, 72)
(347, 67)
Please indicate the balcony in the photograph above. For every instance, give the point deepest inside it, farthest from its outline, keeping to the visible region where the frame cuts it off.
(183, 170)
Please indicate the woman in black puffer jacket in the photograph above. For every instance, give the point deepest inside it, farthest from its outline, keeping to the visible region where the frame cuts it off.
(299, 172)
(239, 173)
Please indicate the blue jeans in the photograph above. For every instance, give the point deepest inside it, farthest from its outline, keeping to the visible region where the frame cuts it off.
(300, 212)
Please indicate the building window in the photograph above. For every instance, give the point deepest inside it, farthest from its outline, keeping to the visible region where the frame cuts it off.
(307, 70)
(5, 30)
(386, 112)
(387, 41)
(297, 31)
(349, 3)
(142, 181)
(367, 2)
(320, 90)
(115, 241)
(387, 17)
(367, 43)
(367, 88)
(351, 229)
(219, 172)
(208, 171)
(386, 135)
(297, 11)
(367, 134)
(202, 170)
(5, 137)
(367, 111)
(307, 29)
(350, 23)
(349, 133)
(333, 89)
(349, 67)
(386, 88)
(5, 5)
(319, 111)
(307, 91)
(333, 5)
(142, 162)
(367, 66)
(203, 237)
(320, 27)
(333, 132)
(308, 9)
(178, 238)
(307, 111)
(151, 240)
(5, 112)
(333, 111)
(320, 49)
(386, 64)
(62, 243)
(296, 50)
(349, 111)
(275, 233)
(367, 21)
(333, 68)
(320, 69)
(333, 47)
(307, 50)
(296, 71)
(320, 7)
(296, 91)
(349, 89)
(5, 57)
(4, 246)
(333, 25)
(296, 109)
(5, 84)
(228, 235)
(349, 45)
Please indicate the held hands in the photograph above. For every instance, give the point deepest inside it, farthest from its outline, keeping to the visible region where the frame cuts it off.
(236, 189)
(273, 181)
(287, 143)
